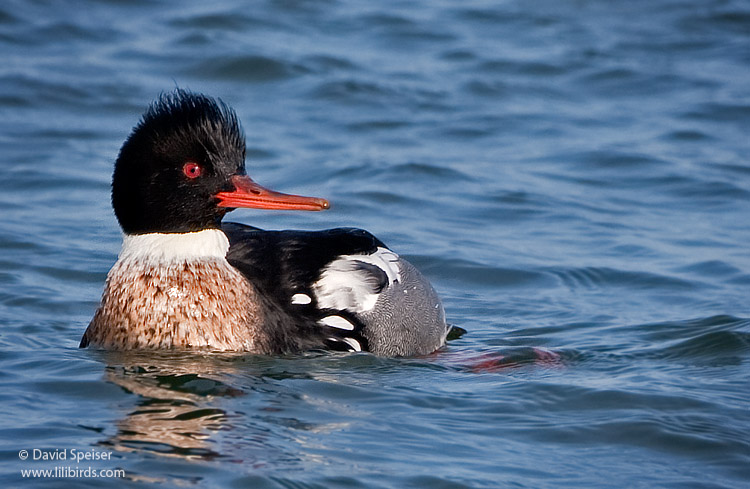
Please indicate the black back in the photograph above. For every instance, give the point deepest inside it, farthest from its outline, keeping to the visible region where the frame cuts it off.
(281, 264)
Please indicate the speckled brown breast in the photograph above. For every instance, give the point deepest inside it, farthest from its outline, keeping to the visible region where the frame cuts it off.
(204, 304)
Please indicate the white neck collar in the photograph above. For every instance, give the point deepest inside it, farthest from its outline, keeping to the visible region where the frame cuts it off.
(174, 247)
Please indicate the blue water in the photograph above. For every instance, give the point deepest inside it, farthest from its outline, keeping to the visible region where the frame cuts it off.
(572, 176)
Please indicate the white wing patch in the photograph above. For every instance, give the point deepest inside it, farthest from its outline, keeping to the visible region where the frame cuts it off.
(337, 322)
(344, 285)
(353, 343)
(301, 299)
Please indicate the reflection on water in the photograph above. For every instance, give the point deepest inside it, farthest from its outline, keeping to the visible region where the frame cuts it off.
(183, 402)
(235, 407)
(178, 408)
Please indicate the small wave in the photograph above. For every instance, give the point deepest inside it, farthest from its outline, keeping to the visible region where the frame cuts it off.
(236, 20)
(353, 91)
(687, 135)
(716, 340)
(366, 92)
(247, 68)
(378, 125)
(474, 273)
(629, 82)
(714, 337)
(712, 268)
(30, 91)
(719, 112)
(399, 28)
(616, 160)
(591, 277)
(718, 345)
(328, 64)
(726, 19)
(522, 67)
(421, 170)
(702, 192)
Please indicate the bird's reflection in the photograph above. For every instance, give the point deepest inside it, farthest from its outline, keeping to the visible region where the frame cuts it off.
(258, 411)
(179, 401)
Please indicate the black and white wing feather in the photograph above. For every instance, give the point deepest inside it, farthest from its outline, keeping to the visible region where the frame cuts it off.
(341, 289)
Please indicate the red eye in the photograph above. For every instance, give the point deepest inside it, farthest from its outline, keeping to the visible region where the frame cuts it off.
(192, 170)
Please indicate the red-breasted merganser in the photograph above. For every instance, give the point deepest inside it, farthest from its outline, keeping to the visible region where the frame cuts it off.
(184, 279)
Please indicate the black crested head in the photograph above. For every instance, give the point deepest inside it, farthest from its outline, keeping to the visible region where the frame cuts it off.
(185, 150)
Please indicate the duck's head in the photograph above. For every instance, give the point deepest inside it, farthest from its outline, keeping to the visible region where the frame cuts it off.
(183, 168)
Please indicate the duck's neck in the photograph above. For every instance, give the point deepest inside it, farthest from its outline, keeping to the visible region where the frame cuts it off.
(167, 248)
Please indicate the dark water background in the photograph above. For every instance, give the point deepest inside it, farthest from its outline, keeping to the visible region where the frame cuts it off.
(573, 176)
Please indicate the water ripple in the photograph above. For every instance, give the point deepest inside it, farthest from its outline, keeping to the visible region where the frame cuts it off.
(248, 68)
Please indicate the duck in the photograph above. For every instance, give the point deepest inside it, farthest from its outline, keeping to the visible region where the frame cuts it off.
(184, 279)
